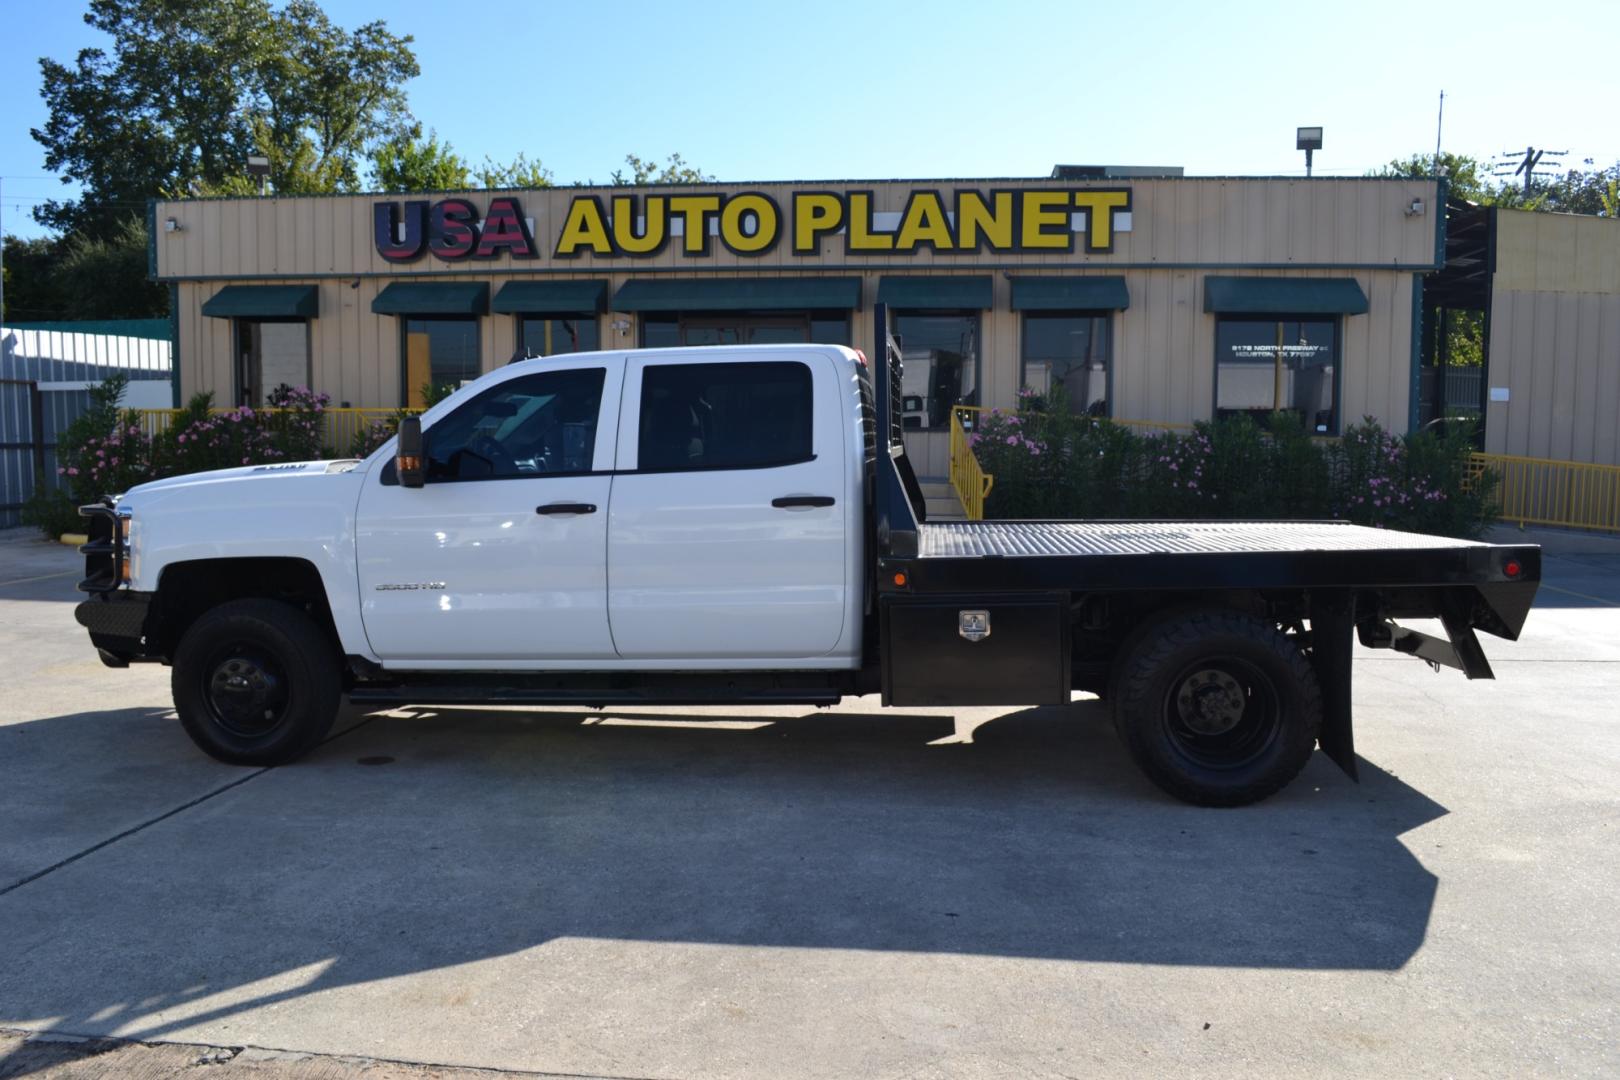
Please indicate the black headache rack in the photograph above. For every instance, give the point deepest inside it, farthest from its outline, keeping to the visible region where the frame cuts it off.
(964, 607)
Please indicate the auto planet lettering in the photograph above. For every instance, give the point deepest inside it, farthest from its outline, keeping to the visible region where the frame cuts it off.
(753, 223)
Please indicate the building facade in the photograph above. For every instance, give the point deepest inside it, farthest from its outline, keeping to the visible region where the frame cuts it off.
(1158, 299)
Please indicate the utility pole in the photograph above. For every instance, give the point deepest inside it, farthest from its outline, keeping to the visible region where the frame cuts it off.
(1527, 165)
(2, 249)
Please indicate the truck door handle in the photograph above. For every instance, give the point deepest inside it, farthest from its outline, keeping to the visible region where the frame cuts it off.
(787, 502)
(566, 508)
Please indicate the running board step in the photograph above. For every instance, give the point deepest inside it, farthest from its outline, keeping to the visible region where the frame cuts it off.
(507, 691)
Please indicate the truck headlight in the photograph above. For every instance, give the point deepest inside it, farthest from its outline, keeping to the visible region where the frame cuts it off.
(126, 539)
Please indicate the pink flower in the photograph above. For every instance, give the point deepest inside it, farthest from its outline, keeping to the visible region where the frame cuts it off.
(72, 470)
(1012, 440)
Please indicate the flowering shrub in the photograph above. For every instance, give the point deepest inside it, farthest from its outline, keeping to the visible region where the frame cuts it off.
(1048, 462)
(374, 434)
(107, 451)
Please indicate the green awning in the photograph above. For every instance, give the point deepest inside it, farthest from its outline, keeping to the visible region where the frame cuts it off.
(433, 298)
(549, 297)
(1284, 296)
(1090, 293)
(263, 302)
(740, 294)
(975, 293)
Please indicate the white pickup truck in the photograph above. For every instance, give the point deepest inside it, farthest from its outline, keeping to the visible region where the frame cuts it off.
(741, 525)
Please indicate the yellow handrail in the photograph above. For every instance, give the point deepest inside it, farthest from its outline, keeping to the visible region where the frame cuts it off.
(971, 482)
(1544, 491)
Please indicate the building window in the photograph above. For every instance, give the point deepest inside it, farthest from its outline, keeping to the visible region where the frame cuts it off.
(1268, 366)
(558, 335)
(438, 356)
(725, 416)
(1072, 351)
(270, 353)
(940, 354)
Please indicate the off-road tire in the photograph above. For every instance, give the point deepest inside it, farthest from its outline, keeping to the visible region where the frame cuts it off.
(256, 682)
(1277, 705)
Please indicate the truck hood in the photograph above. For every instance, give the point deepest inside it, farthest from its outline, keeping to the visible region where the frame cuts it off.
(281, 470)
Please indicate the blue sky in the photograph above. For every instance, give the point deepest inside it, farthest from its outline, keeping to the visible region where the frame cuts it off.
(836, 89)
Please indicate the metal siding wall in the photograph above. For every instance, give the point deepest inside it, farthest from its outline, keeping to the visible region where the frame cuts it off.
(1274, 221)
(46, 357)
(1163, 345)
(1558, 355)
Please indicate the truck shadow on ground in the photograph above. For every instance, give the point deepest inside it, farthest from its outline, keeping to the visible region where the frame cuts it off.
(433, 838)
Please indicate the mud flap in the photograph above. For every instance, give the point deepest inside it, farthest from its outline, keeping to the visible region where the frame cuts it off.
(1333, 620)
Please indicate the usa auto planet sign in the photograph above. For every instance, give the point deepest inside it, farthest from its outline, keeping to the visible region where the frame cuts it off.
(960, 222)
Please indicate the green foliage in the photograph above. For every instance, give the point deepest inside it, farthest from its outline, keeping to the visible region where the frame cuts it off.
(411, 162)
(1578, 191)
(1470, 178)
(1050, 463)
(31, 291)
(107, 278)
(189, 90)
(675, 170)
(51, 510)
(83, 277)
(433, 393)
(520, 173)
(374, 434)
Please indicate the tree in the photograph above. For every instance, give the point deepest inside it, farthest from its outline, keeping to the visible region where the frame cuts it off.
(410, 162)
(521, 173)
(189, 90)
(31, 293)
(1468, 180)
(1583, 191)
(675, 170)
(325, 96)
(105, 278)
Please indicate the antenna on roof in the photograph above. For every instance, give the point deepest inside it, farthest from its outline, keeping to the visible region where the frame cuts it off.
(1439, 126)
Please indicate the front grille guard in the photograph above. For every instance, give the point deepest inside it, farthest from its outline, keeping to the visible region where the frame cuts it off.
(103, 551)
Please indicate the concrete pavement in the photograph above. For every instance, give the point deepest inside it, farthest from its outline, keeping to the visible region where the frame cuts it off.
(785, 892)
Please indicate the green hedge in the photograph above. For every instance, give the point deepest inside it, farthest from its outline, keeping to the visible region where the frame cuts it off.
(1050, 463)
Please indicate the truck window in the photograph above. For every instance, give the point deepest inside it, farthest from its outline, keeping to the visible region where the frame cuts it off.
(537, 425)
(724, 416)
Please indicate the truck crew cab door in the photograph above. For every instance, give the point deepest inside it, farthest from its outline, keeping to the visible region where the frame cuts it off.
(727, 537)
(500, 555)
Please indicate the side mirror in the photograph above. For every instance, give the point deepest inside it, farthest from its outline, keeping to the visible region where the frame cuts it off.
(408, 454)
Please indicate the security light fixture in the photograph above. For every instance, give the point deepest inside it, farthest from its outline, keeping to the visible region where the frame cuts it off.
(259, 165)
(1308, 139)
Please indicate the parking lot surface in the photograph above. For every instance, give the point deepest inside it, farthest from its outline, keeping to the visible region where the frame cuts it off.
(799, 893)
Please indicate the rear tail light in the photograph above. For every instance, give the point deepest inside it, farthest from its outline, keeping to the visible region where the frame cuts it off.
(1512, 568)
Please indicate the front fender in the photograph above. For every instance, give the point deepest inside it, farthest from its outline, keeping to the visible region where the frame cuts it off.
(300, 515)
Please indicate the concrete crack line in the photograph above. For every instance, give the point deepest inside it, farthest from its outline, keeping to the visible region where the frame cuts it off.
(132, 830)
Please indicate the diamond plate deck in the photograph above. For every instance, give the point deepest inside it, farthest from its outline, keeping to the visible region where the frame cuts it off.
(1023, 539)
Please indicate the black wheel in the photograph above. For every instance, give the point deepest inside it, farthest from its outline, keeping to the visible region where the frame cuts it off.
(1217, 708)
(256, 682)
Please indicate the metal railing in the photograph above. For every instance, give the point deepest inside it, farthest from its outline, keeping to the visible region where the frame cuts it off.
(338, 432)
(971, 482)
(1543, 491)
